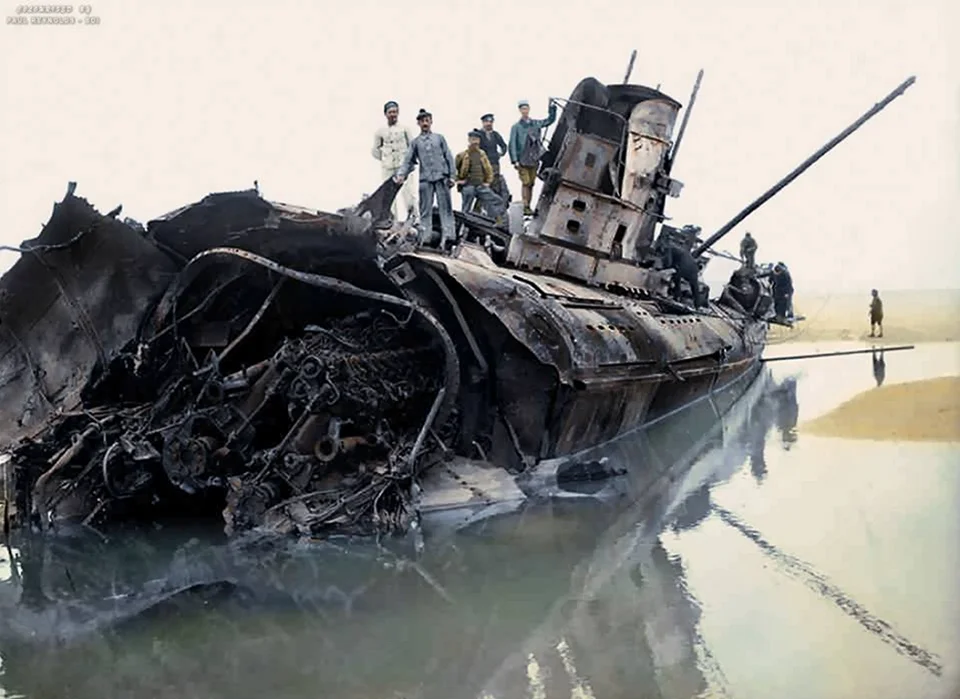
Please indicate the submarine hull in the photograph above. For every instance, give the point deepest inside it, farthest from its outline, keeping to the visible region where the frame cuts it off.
(284, 370)
(567, 366)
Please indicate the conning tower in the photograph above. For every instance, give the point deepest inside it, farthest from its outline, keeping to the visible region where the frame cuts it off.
(606, 177)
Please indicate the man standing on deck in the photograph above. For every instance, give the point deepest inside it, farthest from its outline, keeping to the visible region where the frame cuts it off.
(475, 175)
(876, 313)
(437, 176)
(526, 147)
(492, 143)
(685, 268)
(782, 291)
(390, 144)
(748, 251)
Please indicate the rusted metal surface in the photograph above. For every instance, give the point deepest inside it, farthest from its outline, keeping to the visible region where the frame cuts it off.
(586, 160)
(650, 128)
(67, 307)
(617, 357)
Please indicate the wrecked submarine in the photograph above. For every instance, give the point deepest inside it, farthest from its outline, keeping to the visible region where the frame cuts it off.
(301, 371)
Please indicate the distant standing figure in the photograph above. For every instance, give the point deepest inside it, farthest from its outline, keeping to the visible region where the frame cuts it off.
(475, 175)
(748, 250)
(390, 144)
(492, 143)
(526, 147)
(879, 367)
(876, 313)
(437, 173)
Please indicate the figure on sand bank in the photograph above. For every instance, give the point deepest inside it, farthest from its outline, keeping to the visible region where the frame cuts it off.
(876, 313)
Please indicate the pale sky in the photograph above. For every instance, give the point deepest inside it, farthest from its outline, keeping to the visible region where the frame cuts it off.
(168, 100)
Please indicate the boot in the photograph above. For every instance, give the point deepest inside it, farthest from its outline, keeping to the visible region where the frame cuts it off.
(527, 195)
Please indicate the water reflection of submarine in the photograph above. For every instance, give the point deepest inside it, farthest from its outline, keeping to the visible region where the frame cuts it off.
(629, 595)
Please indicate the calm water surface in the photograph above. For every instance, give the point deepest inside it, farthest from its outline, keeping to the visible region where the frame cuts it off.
(759, 562)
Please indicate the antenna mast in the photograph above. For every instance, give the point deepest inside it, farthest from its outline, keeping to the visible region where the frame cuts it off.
(633, 57)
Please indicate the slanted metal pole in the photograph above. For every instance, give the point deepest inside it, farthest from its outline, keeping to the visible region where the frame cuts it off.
(803, 166)
(633, 57)
(686, 116)
(817, 355)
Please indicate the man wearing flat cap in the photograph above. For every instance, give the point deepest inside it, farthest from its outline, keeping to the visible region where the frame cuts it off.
(475, 175)
(390, 144)
(492, 143)
(437, 176)
(526, 147)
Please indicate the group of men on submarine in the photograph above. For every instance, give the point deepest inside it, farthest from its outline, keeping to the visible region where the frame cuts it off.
(474, 171)
(477, 175)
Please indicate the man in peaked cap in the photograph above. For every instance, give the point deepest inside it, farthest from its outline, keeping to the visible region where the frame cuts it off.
(492, 143)
(526, 147)
(437, 176)
(475, 175)
(390, 144)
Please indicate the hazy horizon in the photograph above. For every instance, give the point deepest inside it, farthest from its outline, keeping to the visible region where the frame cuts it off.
(162, 104)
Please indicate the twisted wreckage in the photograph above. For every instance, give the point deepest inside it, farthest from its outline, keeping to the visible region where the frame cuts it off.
(307, 372)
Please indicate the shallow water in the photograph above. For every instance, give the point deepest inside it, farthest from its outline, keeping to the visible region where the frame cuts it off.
(763, 562)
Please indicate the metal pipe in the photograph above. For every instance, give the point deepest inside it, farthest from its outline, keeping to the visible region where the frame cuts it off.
(837, 354)
(683, 122)
(427, 424)
(803, 166)
(39, 487)
(253, 321)
(633, 57)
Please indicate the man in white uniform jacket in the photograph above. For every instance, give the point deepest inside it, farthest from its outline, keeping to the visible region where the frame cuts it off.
(390, 144)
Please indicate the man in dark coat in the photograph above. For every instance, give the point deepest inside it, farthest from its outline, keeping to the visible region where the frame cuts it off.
(675, 257)
(492, 143)
(782, 291)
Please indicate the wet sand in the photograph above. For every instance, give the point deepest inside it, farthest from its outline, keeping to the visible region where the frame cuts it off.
(918, 411)
(909, 316)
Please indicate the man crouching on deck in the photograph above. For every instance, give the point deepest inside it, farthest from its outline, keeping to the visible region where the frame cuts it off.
(475, 174)
(437, 173)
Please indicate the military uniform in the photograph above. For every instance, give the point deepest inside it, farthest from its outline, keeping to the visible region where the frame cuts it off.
(492, 143)
(525, 149)
(437, 171)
